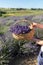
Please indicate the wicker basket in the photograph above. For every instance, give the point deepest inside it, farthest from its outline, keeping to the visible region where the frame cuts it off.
(27, 36)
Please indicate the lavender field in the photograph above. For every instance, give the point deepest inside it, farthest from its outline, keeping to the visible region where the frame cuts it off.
(12, 50)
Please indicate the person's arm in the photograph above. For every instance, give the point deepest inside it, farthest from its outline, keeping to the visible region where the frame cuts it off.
(38, 25)
(38, 41)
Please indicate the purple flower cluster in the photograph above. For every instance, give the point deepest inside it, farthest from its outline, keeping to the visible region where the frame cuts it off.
(19, 29)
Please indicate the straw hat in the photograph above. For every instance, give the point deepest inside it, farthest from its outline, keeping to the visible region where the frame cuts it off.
(27, 36)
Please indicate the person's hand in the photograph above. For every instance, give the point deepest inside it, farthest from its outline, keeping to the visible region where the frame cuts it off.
(31, 26)
(34, 24)
(40, 42)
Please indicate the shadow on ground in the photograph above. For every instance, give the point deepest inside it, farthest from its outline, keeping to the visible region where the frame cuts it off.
(28, 59)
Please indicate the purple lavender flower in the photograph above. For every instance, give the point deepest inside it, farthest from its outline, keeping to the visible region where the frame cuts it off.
(20, 29)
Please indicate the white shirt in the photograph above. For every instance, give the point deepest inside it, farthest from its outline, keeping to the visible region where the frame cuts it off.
(42, 48)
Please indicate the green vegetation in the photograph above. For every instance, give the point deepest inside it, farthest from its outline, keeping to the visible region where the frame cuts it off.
(19, 12)
(3, 29)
